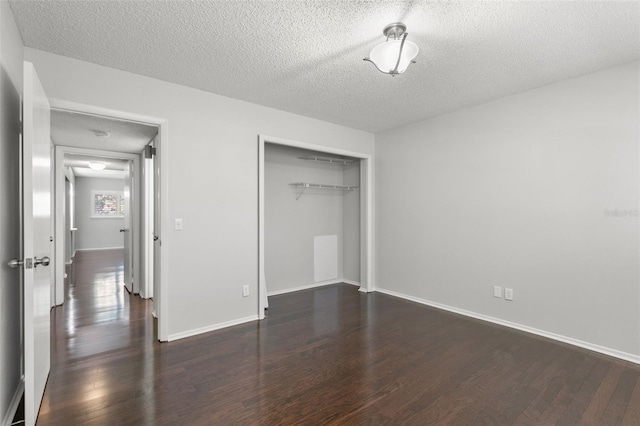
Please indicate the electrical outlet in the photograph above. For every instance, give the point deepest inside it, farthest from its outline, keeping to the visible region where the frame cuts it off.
(245, 290)
(508, 293)
(497, 291)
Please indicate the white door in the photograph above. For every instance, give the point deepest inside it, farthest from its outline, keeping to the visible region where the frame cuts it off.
(128, 253)
(11, 343)
(36, 201)
(157, 242)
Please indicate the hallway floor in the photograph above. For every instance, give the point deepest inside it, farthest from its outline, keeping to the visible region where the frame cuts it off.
(102, 339)
(330, 355)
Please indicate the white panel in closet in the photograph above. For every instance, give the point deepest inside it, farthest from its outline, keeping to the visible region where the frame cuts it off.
(325, 257)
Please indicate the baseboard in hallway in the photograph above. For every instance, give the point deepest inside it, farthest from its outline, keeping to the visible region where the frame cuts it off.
(99, 249)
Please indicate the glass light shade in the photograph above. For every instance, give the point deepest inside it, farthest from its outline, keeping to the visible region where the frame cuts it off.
(97, 166)
(385, 55)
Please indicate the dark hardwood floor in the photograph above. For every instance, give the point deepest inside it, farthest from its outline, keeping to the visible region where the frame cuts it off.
(325, 356)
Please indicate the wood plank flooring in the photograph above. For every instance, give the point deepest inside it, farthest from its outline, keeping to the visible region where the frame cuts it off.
(326, 356)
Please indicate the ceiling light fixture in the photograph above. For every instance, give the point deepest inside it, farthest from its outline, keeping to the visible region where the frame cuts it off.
(96, 165)
(397, 53)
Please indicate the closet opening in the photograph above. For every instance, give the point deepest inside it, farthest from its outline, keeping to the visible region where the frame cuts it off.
(315, 209)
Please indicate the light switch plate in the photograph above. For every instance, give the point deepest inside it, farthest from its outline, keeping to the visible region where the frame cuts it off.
(178, 224)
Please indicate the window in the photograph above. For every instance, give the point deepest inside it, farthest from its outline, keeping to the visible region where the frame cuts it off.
(107, 204)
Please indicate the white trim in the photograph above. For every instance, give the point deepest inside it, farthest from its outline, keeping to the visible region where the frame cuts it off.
(60, 151)
(309, 286)
(163, 152)
(212, 327)
(13, 405)
(564, 339)
(80, 108)
(99, 249)
(367, 269)
(262, 284)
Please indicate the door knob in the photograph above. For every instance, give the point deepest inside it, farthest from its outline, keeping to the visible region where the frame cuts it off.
(44, 261)
(123, 230)
(14, 263)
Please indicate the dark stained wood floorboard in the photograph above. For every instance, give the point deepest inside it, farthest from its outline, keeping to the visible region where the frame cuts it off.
(326, 356)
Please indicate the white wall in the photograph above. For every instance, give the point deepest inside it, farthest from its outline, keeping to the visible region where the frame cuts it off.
(10, 299)
(291, 225)
(212, 178)
(96, 233)
(516, 193)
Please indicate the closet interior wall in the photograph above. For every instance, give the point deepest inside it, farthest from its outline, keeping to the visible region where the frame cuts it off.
(294, 218)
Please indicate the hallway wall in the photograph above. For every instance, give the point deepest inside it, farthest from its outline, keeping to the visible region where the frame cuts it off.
(96, 233)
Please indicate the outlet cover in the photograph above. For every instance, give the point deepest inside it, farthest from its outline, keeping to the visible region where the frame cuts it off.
(508, 293)
(497, 291)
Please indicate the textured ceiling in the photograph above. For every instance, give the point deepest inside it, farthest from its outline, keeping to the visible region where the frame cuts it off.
(78, 130)
(306, 56)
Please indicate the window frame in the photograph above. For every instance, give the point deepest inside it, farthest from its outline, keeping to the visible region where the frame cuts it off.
(119, 199)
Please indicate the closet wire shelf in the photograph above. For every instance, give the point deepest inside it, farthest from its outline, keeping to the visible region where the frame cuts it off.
(302, 186)
(330, 160)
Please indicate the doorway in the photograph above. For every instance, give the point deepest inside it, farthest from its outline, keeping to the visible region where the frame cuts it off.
(99, 210)
(366, 275)
(120, 144)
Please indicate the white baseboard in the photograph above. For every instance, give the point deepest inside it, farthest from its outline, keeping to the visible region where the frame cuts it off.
(99, 249)
(13, 405)
(361, 288)
(212, 327)
(569, 340)
(312, 285)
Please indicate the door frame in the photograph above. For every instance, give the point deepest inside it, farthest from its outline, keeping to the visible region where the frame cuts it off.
(162, 145)
(367, 246)
(61, 151)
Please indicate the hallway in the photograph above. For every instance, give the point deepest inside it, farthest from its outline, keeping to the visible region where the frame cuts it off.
(102, 344)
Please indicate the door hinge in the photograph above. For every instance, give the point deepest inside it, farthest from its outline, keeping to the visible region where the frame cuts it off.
(149, 151)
